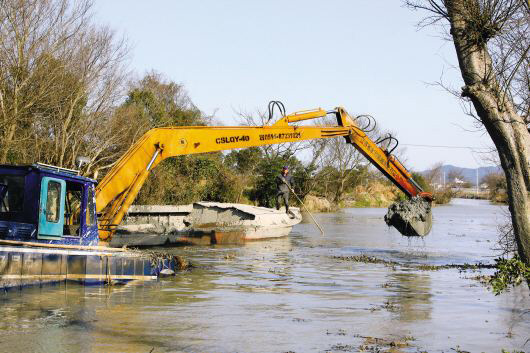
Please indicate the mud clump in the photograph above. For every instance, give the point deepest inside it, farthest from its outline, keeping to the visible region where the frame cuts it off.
(411, 218)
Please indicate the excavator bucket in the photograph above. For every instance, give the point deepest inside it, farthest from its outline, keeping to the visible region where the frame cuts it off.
(412, 218)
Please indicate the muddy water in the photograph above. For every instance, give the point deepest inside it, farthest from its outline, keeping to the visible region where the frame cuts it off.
(290, 294)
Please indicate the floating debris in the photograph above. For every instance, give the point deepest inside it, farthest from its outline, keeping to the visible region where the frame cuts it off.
(164, 258)
(422, 267)
(366, 259)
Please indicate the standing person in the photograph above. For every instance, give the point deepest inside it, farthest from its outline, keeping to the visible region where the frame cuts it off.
(283, 182)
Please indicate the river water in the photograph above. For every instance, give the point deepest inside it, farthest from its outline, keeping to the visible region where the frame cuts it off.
(293, 295)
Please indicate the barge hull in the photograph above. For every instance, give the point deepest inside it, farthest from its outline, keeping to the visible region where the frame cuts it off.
(21, 267)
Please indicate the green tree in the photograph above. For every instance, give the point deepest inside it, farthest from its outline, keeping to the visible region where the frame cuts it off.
(420, 179)
(186, 179)
(244, 161)
(157, 102)
(163, 103)
(264, 190)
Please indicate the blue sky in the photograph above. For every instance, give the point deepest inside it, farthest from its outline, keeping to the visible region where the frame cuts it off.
(367, 56)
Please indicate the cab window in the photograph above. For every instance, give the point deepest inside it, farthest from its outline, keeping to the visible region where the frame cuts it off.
(53, 203)
(13, 193)
(72, 210)
(91, 208)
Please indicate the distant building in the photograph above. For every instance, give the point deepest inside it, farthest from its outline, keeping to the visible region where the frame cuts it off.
(458, 181)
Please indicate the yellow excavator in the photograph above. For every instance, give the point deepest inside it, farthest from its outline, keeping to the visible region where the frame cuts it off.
(119, 188)
(49, 228)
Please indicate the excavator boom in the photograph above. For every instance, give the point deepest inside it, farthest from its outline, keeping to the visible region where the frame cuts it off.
(118, 189)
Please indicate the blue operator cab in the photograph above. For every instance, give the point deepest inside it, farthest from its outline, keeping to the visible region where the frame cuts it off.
(46, 204)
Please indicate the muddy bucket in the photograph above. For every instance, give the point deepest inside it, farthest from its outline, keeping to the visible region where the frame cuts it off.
(412, 218)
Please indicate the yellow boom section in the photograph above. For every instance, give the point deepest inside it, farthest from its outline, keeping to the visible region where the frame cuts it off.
(118, 189)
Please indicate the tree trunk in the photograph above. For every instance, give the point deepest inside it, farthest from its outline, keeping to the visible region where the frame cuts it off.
(8, 140)
(496, 111)
(340, 189)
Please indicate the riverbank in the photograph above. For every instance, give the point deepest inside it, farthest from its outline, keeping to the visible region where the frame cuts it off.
(383, 194)
(374, 194)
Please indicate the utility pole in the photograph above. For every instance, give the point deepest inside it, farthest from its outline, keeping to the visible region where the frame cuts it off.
(477, 181)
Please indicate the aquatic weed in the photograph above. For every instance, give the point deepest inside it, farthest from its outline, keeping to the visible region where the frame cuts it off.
(376, 344)
(510, 273)
(460, 267)
(458, 350)
(159, 256)
(375, 260)
(366, 259)
(390, 306)
(343, 347)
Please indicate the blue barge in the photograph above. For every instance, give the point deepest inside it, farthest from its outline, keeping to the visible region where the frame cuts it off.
(49, 232)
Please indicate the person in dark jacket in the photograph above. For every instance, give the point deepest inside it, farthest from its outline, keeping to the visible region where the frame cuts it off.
(284, 183)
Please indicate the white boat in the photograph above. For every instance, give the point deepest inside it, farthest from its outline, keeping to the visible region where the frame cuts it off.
(203, 223)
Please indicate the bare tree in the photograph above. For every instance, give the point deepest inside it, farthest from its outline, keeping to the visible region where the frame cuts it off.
(435, 175)
(492, 43)
(270, 152)
(455, 176)
(338, 162)
(345, 160)
(60, 79)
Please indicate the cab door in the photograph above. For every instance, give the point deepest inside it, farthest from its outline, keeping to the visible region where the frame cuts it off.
(51, 208)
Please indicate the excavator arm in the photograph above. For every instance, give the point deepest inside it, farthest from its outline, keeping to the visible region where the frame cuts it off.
(118, 189)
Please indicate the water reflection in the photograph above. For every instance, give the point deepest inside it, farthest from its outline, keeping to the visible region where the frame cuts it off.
(409, 295)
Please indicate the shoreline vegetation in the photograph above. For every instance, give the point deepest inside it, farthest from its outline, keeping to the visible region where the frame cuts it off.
(383, 194)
